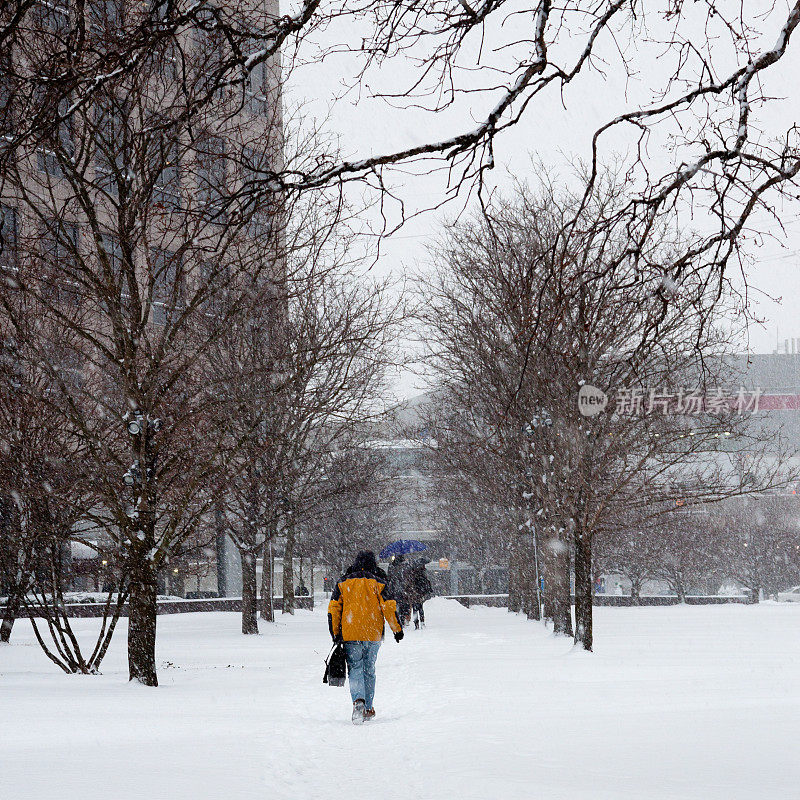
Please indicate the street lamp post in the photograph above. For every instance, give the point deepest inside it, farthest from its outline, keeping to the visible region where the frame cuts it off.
(532, 529)
(540, 419)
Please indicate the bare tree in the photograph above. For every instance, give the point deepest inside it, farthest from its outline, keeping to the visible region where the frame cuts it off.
(481, 505)
(44, 491)
(353, 508)
(532, 301)
(687, 546)
(47, 493)
(758, 542)
(47, 599)
(301, 372)
(631, 551)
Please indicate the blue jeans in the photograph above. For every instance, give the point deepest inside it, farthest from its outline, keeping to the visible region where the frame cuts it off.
(361, 658)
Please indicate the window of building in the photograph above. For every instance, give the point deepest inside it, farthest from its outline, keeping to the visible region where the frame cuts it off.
(8, 237)
(214, 282)
(212, 177)
(114, 253)
(113, 250)
(53, 16)
(256, 89)
(158, 9)
(255, 171)
(164, 147)
(164, 57)
(48, 156)
(211, 49)
(168, 284)
(107, 16)
(7, 92)
(59, 249)
(255, 165)
(109, 139)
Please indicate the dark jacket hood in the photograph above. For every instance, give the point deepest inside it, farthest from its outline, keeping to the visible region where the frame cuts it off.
(365, 562)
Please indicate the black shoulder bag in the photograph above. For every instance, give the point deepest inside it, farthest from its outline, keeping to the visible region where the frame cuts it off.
(335, 666)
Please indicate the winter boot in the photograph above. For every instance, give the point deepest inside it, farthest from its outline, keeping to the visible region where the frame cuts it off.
(369, 713)
(358, 712)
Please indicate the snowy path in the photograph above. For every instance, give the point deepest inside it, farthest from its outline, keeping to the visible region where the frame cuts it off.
(684, 702)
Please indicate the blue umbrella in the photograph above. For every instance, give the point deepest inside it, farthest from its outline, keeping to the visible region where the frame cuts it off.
(402, 546)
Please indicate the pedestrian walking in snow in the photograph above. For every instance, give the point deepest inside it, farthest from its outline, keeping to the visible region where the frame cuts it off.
(398, 581)
(418, 590)
(356, 611)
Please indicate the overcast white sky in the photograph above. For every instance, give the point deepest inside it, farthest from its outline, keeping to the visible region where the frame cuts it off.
(557, 133)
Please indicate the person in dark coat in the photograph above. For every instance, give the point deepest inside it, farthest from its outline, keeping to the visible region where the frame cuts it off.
(418, 590)
(397, 577)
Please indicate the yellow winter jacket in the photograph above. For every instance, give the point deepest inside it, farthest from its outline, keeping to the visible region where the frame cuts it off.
(358, 606)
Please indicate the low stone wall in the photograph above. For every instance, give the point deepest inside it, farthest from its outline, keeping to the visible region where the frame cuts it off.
(667, 600)
(492, 600)
(501, 600)
(172, 606)
(307, 603)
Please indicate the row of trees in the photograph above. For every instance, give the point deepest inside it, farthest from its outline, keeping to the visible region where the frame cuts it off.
(262, 436)
(537, 301)
(750, 540)
(186, 345)
(252, 429)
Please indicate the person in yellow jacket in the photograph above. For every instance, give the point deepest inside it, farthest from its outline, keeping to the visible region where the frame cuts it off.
(359, 604)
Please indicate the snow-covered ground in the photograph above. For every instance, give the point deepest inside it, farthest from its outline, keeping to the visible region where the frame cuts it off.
(678, 702)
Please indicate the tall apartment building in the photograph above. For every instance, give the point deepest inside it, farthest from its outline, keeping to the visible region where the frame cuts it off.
(130, 221)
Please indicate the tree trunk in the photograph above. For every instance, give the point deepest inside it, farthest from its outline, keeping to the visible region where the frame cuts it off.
(532, 580)
(142, 623)
(524, 574)
(288, 570)
(311, 585)
(548, 606)
(525, 602)
(562, 618)
(533, 609)
(546, 568)
(560, 590)
(267, 589)
(17, 588)
(680, 590)
(636, 590)
(514, 589)
(249, 586)
(222, 543)
(583, 588)
(10, 615)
